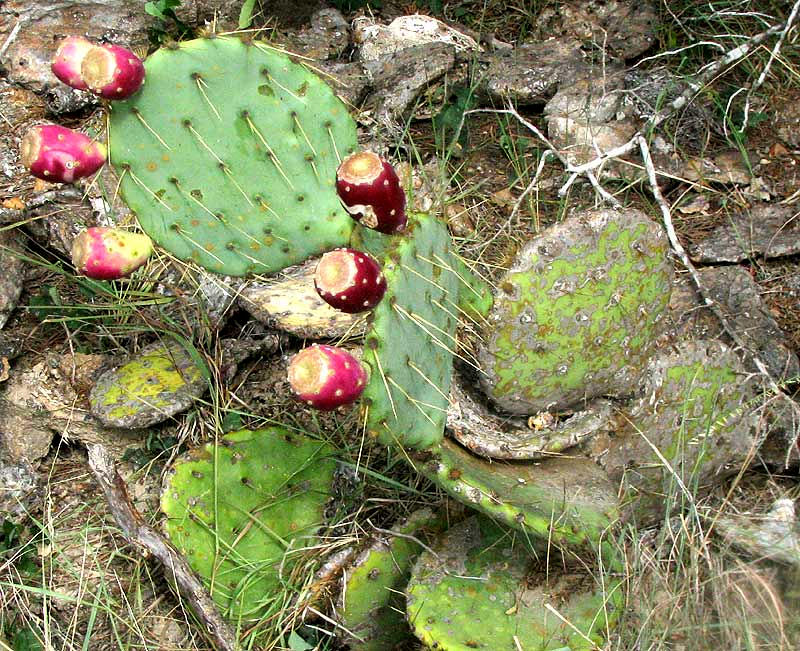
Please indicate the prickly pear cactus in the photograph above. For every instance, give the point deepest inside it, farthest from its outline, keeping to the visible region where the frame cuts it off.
(691, 425)
(371, 598)
(564, 502)
(576, 315)
(410, 344)
(161, 381)
(228, 156)
(234, 509)
(477, 592)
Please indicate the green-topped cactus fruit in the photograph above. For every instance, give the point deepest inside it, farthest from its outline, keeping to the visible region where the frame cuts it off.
(234, 510)
(481, 589)
(411, 341)
(370, 606)
(228, 156)
(576, 315)
(161, 381)
(691, 425)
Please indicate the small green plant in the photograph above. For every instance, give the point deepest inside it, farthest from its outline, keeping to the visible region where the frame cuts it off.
(168, 25)
(13, 549)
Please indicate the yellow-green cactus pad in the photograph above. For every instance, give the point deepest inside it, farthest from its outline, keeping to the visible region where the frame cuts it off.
(236, 511)
(370, 607)
(563, 501)
(577, 313)
(161, 381)
(481, 589)
(228, 156)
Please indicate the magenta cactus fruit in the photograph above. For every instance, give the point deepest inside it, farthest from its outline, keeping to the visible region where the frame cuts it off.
(112, 71)
(109, 253)
(349, 280)
(371, 192)
(55, 153)
(67, 61)
(326, 377)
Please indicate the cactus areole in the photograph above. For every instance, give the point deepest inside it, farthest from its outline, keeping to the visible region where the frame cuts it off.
(371, 192)
(326, 377)
(55, 153)
(349, 280)
(67, 61)
(109, 253)
(112, 71)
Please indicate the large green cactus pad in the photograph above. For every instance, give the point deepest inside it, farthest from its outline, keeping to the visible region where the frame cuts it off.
(410, 344)
(576, 315)
(228, 156)
(235, 508)
(561, 501)
(478, 591)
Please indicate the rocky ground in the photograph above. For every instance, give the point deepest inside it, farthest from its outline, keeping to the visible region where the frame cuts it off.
(577, 78)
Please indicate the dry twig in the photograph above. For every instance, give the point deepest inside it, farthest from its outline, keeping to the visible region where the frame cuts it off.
(138, 532)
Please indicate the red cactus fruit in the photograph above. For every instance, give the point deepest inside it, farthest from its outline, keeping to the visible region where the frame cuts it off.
(67, 61)
(109, 253)
(326, 377)
(370, 191)
(112, 71)
(58, 154)
(349, 280)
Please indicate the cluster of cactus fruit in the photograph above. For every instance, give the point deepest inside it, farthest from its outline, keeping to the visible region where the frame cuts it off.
(265, 178)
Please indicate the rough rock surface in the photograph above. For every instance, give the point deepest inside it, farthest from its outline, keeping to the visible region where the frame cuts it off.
(12, 274)
(768, 230)
(19, 483)
(531, 73)
(326, 37)
(348, 80)
(737, 294)
(623, 28)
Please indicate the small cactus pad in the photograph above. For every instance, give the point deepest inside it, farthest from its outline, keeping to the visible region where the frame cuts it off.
(565, 501)
(161, 381)
(411, 342)
(481, 589)
(694, 412)
(233, 510)
(576, 315)
(228, 156)
(371, 599)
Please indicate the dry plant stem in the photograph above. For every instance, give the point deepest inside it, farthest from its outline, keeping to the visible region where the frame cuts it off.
(677, 247)
(138, 532)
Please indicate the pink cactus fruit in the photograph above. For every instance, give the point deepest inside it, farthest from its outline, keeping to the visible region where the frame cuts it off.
(109, 253)
(67, 61)
(349, 280)
(112, 71)
(326, 377)
(55, 153)
(371, 192)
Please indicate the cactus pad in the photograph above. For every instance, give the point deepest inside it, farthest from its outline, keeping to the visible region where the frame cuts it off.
(482, 591)
(161, 381)
(228, 156)
(234, 509)
(694, 412)
(371, 598)
(411, 341)
(576, 315)
(563, 501)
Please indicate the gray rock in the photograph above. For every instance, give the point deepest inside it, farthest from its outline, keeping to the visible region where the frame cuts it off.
(326, 37)
(622, 28)
(768, 230)
(398, 79)
(19, 490)
(56, 216)
(531, 73)
(12, 274)
(62, 99)
(738, 296)
(44, 23)
(787, 122)
(348, 80)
